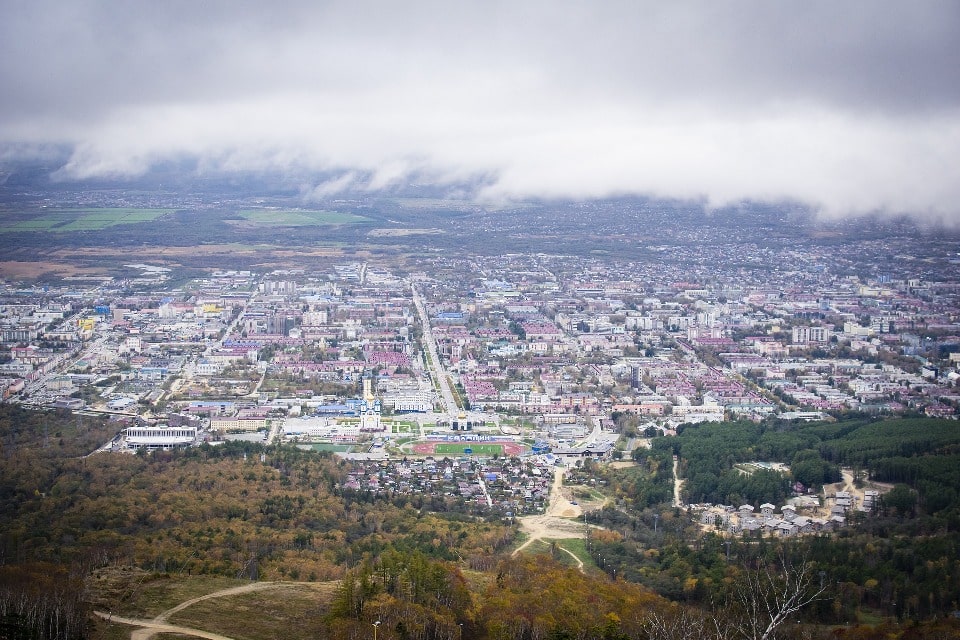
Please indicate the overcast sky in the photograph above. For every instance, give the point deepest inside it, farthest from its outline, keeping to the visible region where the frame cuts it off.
(851, 107)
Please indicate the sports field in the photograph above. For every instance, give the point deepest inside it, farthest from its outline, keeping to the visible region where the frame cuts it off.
(476, 448)
(460, 448)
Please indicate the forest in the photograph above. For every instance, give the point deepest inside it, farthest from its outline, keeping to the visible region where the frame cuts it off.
(247, 512)
(900, 561)
(921, 454)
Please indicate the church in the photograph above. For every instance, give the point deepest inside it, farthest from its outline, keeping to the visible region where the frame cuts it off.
(369, 409)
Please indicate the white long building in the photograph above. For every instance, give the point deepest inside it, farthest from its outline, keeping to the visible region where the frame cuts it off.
(402, 401)
(159, 437)
(321, 428)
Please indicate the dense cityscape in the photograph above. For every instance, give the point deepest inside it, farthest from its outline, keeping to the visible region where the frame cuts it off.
(523, 335)
(565, 384)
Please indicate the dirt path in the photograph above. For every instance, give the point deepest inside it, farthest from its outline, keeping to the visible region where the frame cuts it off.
(575, 558)
(846, 484)
(847, 481)
(149, 628)
(247, 588)
(677, 485)
(559, 522)
(560, 505)
(159, 624)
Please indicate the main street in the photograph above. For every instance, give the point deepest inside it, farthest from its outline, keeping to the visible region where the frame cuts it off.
(437, 371)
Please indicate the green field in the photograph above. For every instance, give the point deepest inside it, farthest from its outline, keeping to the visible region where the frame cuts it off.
(66, 220)
(333, 448)
(405, 427)
(271, 218)
(476, 448)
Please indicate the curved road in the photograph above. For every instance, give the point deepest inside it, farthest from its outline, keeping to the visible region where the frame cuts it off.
(574, 556)
(559, 521)
(148, 628)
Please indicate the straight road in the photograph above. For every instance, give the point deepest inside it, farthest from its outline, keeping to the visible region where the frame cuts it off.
(677, 484)
(437, 371)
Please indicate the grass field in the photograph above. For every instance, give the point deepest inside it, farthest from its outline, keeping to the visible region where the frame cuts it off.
(294, 608)
(297, 608)
(342, 448)
(575, 546)
(269, 218)
(476, 448)
(66, 220)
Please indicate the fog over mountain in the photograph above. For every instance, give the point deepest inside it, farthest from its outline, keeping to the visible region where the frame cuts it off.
(849, 107)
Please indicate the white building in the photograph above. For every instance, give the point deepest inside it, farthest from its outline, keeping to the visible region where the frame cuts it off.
(409, 400)
(159, 437)
(238, 423)
(805, 335)
(207, 367)
(320, 428)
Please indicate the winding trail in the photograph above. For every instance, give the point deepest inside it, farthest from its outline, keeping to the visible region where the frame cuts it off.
(148, 628)
(558, 523)
(574, 556)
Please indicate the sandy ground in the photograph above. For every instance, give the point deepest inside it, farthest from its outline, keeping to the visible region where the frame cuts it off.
(846, 484)
(677, 486)
(559, 522)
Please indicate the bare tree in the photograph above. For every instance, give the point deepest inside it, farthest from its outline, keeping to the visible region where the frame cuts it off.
(681, 624)
(769, 595)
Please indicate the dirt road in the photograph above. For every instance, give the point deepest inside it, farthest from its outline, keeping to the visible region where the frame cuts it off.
(846, 484)
(677, 485)
(558, 523)
(148, 628)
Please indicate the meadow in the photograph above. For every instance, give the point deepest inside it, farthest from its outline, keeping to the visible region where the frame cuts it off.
(272, 218)
(66, 220)
(332, 448)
